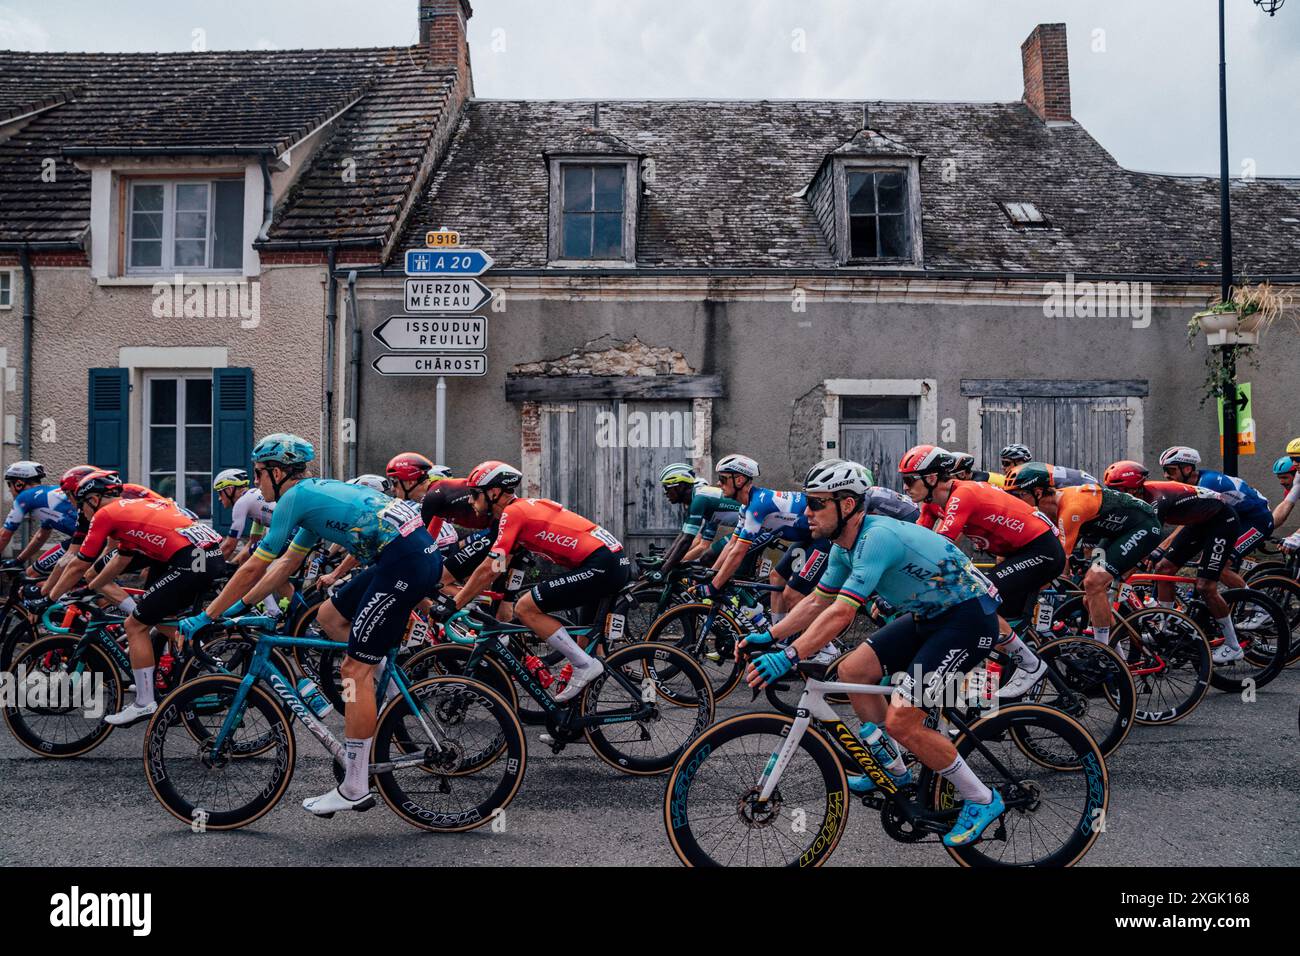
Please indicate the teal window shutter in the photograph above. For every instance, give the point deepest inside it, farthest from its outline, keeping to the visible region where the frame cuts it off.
(232, 428)
(108, 430)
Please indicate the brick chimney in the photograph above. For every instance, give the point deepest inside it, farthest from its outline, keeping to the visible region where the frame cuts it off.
(1047, 72)
(443, 33)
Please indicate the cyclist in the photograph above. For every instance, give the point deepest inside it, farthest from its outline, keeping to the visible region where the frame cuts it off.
(964, 469)
(401, 568)
(1203, 523)
(1026, 543)
(46, 503)
(947, 626)
(707, 505)
(1286, 469)
(183, 557)
(1121, 529)
(596, 561)
(1015, 454)
(250, 513)
(1254, 517)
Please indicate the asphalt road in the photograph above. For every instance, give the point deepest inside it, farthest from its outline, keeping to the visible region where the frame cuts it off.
(1217, 789)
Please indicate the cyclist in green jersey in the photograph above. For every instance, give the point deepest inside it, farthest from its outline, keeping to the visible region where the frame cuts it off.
(707, 505)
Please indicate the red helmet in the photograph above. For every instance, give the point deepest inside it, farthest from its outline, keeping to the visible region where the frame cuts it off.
(926, 460)
(409, 466)
(72, 477)
(99, 483)
(1125, 475)
(495, 474)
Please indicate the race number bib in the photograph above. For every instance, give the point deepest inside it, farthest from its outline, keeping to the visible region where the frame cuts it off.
(417, 632)
(516, 580)
(199, 535)
(1043, 618)
(607, 539)
(615, 627)
(402, 515)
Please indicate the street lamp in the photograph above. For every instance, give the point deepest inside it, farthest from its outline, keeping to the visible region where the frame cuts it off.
(1230, 406)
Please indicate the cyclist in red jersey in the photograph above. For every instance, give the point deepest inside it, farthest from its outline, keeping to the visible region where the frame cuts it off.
(184, 562)
(1204, 523)
(599, 564)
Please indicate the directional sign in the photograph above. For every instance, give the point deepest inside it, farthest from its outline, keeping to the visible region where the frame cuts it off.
(447, 333)
(395, 364)
(454, 296)
(447, 262)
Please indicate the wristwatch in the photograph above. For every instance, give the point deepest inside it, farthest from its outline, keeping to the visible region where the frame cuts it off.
(792, 655)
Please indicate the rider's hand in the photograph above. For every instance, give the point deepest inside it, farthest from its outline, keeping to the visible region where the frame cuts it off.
(769, 667)
(707, 591)
(189, 626)
(655, 577)
(327, 581)
(1156, 556)
(1291, 542)
(442, 608)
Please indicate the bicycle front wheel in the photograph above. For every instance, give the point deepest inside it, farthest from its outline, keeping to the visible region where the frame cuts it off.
(1265, 636)
(711, 808)
(1169, 657)
(709, 636)
(61, 695)
(1285, 593)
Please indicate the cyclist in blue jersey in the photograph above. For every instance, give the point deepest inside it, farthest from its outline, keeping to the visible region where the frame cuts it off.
(948, 625)
(401, 568)
(1285, 470)
(707, 505)
(45, 503)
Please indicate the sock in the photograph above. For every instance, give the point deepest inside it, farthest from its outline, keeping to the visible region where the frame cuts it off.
(127, 606)
(1101, 634)
(1229, 632)
(357, 755)
(143, 685)
(968, 785)
(271, 608)
(567, 646)
(1019, 652)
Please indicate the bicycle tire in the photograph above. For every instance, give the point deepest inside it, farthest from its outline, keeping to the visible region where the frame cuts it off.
(1264, 659)
(29, 725)
(1284, 591)
(16, 632)
(1172, 693)
(449, 660)
(724, 674)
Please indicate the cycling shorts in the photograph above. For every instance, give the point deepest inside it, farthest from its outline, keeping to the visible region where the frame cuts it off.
(48, 559)
(602, 574)
(1021, 575)
(1121, 552)
(378, 600)
(927, 654)
(176, 587)
(803, 575)
(1212, 539)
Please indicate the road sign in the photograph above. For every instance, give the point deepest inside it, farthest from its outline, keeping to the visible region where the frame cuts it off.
(399, 364)
(440, 238)
(454, 296)
(444, 333)
(447, 262)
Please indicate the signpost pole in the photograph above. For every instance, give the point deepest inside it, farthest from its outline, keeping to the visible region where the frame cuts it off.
(440, 427)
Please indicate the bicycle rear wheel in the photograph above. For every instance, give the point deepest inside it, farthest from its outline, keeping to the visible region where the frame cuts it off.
(1265, 636)
(712, 645)
(16, 633)
(711, 808)
(1285, 593)
(61, 696)
(1169, 657)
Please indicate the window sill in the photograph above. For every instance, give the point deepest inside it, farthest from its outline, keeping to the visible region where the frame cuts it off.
(169, 278)
(578, 264)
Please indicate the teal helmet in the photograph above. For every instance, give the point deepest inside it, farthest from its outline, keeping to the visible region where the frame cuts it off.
(283, 448)
(1286, 465)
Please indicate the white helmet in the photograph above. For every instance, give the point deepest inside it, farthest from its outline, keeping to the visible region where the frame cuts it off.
(373, 482)
(836, 474)
(25, 471)
(1180, 455)
(737, 465)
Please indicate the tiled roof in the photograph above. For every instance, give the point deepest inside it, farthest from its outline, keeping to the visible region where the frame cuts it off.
(730, 189)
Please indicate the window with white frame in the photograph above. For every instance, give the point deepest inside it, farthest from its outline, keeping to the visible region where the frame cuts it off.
(185, 224)
(6, 290)
(178, 439)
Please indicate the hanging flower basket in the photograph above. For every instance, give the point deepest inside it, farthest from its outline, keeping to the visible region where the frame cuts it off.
(1243, 318)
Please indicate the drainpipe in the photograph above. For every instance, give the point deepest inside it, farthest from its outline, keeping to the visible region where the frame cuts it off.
(29, 323)
(331, 357)
(355, 376)
(268, 201)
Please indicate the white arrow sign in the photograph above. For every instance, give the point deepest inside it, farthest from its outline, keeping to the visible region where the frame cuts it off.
(444, 333)
(395, 364)
(455, 296)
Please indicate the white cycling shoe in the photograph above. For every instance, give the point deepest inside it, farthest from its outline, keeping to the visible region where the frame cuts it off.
(328, 804)
(579, 680)
(1022, 681)
(131, 714)
(1223, 654)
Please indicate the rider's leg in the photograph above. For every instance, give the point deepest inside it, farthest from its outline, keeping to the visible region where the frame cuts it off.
(142, 659)
(1096, 598)
(552, 630)
(861, 666)
(332, 622)
(358, 726)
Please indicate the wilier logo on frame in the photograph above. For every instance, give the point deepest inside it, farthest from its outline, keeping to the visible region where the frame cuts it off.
(209, 299)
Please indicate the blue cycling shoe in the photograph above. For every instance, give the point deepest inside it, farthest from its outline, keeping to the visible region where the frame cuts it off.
(974, 819)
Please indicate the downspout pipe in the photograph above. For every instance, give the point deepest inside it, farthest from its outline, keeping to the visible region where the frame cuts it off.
(268, 201)
(331, 359)
(354, 378)
(29, 324)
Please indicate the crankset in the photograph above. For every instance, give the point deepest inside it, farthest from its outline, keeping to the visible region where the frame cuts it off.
(896, 823)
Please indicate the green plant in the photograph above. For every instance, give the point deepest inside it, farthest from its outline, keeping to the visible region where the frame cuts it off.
(1262, 299)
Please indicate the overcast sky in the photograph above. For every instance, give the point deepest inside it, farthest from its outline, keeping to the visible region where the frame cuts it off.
(1143, 72)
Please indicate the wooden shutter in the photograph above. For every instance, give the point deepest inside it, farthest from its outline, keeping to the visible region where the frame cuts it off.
(108, 430)
(232, 427)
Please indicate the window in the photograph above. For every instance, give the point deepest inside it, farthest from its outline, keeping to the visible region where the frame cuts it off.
(6, 290)
(1024, 214)
(185, 224)
(593, 204)
(178, 445)
(878, 214)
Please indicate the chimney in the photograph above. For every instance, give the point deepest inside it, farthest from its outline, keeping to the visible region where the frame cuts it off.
(1047, 72)
(443, 34)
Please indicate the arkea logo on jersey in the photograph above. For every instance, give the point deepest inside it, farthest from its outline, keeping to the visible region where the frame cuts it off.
(559, 540)
(1005, 521)
(148, 537)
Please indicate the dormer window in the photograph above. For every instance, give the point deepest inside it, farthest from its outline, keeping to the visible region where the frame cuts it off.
(184, 225)
(595, 188)
(878, 226)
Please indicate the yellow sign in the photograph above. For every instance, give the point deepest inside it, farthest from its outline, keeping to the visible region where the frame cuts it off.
(441, 238)
(1245, 422)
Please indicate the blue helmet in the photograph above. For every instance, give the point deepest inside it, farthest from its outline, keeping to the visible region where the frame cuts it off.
(285, 449)
(1286, 465)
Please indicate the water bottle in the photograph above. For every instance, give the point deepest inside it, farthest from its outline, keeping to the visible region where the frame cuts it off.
(992, 680)
(883, 749)
(311, 695)
(163, 673)
(534, 665)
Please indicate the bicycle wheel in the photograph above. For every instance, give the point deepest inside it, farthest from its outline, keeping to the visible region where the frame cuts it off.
(1169, 658)
(679, 695)
(1052, 818)
(61, 695)
(1285, 593)
(307, 660)
(712, 813)
(1089, 682)
(713, 645)
(449, 660)
(16, 632)
(1265, 637)
(239, 784)
(451, 789)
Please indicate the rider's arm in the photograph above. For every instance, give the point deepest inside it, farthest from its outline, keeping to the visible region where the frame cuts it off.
(675, 553)
(38, 541)
(829, 623)
(346, 565)
(112, 571)
(696, 549)
(269, 578)
(71, 575)
(478, 581)
(1280, 513)
(732, 555)
(804, 613)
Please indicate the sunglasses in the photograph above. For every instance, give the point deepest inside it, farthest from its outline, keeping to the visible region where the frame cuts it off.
(817, 504)
(910, 480)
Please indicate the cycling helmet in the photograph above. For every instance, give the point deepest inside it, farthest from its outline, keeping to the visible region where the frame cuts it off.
(1286, 465)
(1293, 447)
(99, 483)
(409, 466)
(1027, 477)
(439, 472)
(25, 471)
(373, 482)
(1016, 452)
(963, 461)
(836, 475)
(495, 474)
(284, 449)
(72, 477)
(737, 465)
(230, 478)
(926, 460)
(678, 473)
(1180, 455)
(1125, 475)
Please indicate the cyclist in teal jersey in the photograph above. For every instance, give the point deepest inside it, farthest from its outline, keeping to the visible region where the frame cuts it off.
(947, 626)
(401, 567)
(707, 505)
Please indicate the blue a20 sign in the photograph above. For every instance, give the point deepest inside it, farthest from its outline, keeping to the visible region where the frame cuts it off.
(447, 262)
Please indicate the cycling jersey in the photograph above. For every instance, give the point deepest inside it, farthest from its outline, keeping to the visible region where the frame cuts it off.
(1251, 507)
(48, 504)
(545, 527)
(912, 568)
(130, 492)
(779, 513)
(1177, 503)
(995, 521)
(361, 520)
(1063, 477)
(154, 529)
(449, 501)
(931, 514)
(708, 506)
(1094, 513)
(883, 501)
(251, 508)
